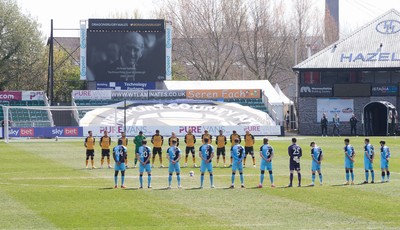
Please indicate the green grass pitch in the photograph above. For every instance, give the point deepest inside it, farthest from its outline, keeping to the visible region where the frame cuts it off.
(44, 185)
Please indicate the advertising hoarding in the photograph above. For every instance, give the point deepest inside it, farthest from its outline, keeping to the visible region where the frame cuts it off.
(181, 131)
(309, 90)
(10, 95)
(352, 90)
(384, 90)
(33, 95)
(168, 47)
(343, 107)
(126, 24)
(46, 132)
(223, 93)
(161, 94)
(91, 94)
(82, 48)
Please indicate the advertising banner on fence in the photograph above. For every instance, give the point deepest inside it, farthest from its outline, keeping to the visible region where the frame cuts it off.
(91, 94)
(130, 94)
(166, 131)
(98, 131)
(10, 95)
(343, 107)
(163, 94)
(32, 95)
(46, 132)
(223, 93)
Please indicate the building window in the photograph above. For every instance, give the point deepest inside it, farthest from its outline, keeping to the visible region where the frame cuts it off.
(328, 77)
(343, 77)
(396, 77)
(311, 78)
(366, 77)
(382, 77)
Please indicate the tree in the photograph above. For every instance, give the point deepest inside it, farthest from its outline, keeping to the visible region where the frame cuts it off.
(22, 57)
(263, 38)
(204, 29)
(308, 26)
(178, 72)
(66, 76)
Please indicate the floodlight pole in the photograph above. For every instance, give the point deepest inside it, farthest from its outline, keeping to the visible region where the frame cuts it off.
(51, 68)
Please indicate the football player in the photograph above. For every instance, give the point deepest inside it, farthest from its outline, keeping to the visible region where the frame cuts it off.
(266, 154)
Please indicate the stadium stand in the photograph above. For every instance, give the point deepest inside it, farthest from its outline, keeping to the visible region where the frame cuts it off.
(255, 103)
(25, 115)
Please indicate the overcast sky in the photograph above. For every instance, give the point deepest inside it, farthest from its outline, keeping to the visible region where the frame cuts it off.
(68, 13)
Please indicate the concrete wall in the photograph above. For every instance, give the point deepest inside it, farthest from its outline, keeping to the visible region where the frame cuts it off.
(308, 124)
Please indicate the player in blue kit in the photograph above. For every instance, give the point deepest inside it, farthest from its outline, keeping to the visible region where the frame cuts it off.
(237, 154)
(266, 154)
(144, 156)
(316, 156)
(385, 155)
(349, 161)
(295, 153)
(368, 161)
(173, 156)
(206, 154)
(119, 155)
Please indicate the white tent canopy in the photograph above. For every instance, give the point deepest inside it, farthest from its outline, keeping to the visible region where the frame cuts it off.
(284, 98)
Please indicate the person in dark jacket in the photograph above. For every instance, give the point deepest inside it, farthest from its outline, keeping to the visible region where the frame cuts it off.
(353, 125)
(324, 125)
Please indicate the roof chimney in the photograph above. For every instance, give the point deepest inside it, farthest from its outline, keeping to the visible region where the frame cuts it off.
(331, 21)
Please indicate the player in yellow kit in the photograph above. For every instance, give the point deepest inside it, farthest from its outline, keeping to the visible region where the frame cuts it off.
(220, 141)
(105, 142)
(206, 135)
(124, 141)
(173, 138)
(89, 144)
(232, 138)
(248, 148)
(157, 140)
(190, 140)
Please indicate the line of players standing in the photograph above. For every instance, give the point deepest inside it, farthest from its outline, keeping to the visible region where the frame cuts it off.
(238, 156)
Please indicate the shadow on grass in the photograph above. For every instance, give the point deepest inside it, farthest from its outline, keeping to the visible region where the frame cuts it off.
(340, 185)
(106, 188)
(255, 187)
(112, 188)
(195, 188)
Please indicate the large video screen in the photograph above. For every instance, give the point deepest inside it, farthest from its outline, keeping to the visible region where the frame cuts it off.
(125, 50)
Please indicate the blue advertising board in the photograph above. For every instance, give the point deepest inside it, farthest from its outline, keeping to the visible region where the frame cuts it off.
(46, 132)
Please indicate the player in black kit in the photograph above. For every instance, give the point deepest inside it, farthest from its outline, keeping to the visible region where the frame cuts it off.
(295, 153)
